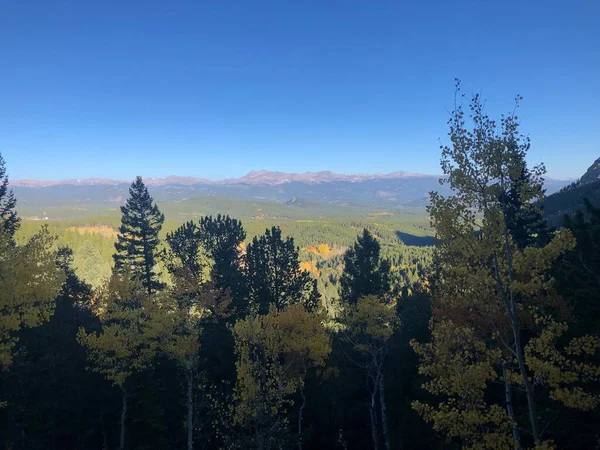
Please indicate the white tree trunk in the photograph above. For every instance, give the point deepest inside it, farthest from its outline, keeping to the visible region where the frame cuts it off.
(510, 410)
(373, 414)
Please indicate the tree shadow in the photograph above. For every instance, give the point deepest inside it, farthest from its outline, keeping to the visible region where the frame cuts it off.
(417, 241)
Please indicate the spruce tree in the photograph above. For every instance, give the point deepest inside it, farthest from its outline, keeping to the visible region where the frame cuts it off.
(274, 275)
(365, 273)
(524, 220)
(137, 242)
(8, 216)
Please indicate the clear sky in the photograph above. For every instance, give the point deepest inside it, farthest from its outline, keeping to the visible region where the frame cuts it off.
(216, 88)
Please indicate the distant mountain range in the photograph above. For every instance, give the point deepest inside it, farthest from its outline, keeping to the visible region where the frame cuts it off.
(256, 177)
(367, 191)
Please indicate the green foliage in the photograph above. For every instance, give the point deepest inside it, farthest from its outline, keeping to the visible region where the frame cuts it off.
(137, 242)
(90, 266)
(129, 337)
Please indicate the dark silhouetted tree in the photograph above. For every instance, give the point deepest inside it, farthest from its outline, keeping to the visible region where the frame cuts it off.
(365, 272)
(223, 238)
(137, 242)
(524, 220)
(185, 245)
(274, 275)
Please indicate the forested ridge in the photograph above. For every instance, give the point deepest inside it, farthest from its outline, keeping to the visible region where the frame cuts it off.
(146, 333)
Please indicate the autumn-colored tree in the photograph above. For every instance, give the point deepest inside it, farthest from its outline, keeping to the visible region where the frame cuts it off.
(489, 285)
(367, 327)
(134, 325)
(137, 242)
(460, 365)
(274, 352)
(29, 282)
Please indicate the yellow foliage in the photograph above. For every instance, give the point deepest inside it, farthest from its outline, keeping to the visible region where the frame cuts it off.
(274, 352)
(310, 267)
(569, 370)
(103, 230)
(323, 249)
(459, 366)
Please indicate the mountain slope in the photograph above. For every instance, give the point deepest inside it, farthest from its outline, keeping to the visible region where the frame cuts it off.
(570, 198)
(592, 174)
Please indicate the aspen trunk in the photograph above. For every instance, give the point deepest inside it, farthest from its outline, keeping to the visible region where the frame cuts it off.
(510, 410)
(514, 323)
(373, 412)
(300, 414)
(384, 422)
(123, 417)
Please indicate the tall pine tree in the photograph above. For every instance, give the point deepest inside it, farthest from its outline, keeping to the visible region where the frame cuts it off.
(9, 221)
(137, 242)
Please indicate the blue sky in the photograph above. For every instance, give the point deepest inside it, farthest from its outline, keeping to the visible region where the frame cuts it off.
(216, 88)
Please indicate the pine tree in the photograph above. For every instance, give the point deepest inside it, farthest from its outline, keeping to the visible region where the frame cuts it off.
(365, 272)
(137, 242)
(524, 219)
(274, 275)
(8, 216)
(223, 239)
